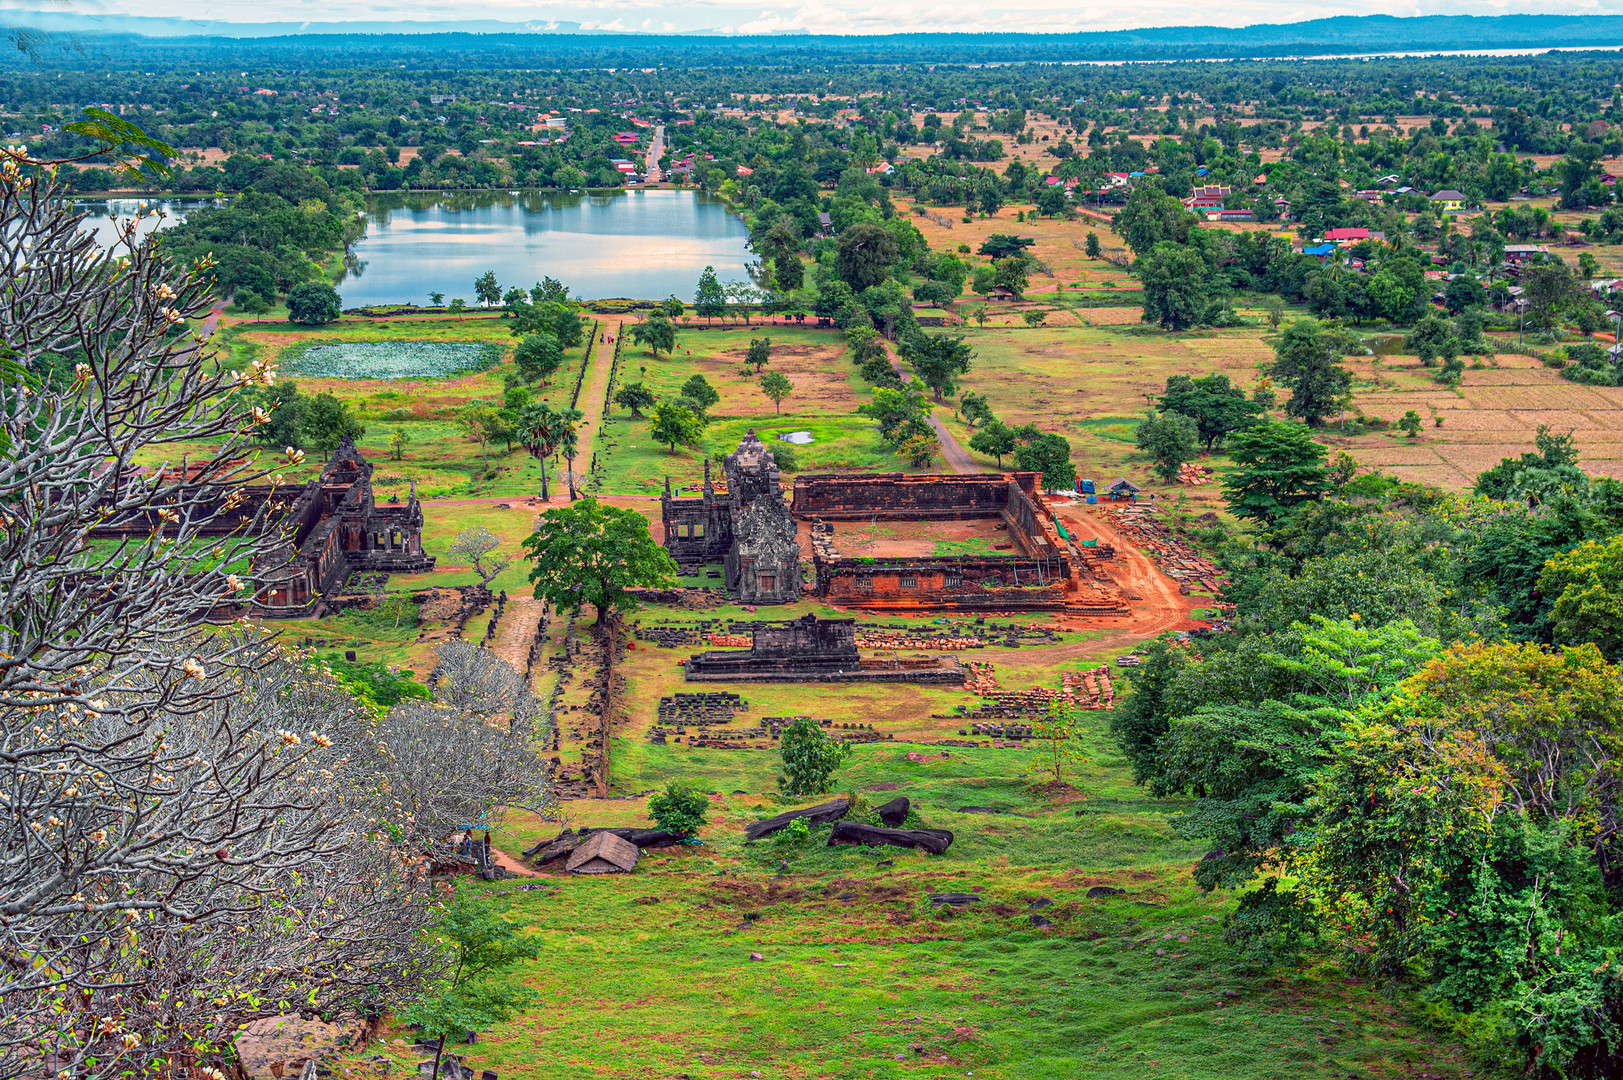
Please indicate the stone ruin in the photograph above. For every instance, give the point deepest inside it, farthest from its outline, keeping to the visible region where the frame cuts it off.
(1045, 571)
(747, 527)
(809, 649)
(331, 529)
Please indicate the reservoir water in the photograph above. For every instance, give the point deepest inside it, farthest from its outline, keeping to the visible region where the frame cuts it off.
(646, 245)
(640, 244)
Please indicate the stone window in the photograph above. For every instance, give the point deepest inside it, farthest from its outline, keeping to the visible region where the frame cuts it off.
(698, 531)
(682, 531)
(768, 582)
(952, 581)
(909, 583)
(864, 584)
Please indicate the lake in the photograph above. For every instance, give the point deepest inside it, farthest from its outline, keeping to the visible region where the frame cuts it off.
(102, 211)
(640, 244)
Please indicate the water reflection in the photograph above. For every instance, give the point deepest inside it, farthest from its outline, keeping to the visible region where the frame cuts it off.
(105, 215)
(642, 244)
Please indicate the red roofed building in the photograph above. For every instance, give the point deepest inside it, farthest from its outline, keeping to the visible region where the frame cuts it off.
(1345, 236)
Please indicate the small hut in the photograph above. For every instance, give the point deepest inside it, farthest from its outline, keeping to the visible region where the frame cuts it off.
(603, 853)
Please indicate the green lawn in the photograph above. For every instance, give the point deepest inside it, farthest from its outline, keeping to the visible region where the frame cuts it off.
(859, 976)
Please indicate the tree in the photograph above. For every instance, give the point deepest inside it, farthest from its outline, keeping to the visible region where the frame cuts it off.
(436, 299)
(995, 438)
(634, 396)
(313, 303)
(480, 944)
(161, 828)
(1549, 288)
(398, 438)
(1464, 292)
(486, 290)
(281, 415)
(902, 411)
(1170, 438)
(544, 431)
(1587, 586)
(1174, 280)
(1057, 741)
(776, 385)
(1306, 359)
(562, 320)
(1216, 405)
(676, 425)
(481, 424)
(657, 332)
(672, 307)
(1410, 424)
(1274, 308)
(974, 410)
(1090, 246)
(809, 758)
(1011, 273)
(477, 545)
(984, 282)
(1150, 217)
(591, 553)
(709, 300)
(864, 344)
(251, 303)
(699, 390)
(864, 255)
(457, 306)
(760, 352)
(1279, 467)
(938, 360)
(327, 422)
(538, 357)
(919, 449)
(1051, 200)
(1046, 453)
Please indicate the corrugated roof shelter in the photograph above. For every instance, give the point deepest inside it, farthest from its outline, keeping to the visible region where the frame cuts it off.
(603, 853)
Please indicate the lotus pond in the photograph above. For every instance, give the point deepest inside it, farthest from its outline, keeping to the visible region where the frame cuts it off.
(391, 359)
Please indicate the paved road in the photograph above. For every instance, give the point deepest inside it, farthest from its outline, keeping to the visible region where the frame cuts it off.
(656, 150)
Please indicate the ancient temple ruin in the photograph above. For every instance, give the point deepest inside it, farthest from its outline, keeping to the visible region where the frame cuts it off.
(809, 649)
(331, 529)
(747, 527)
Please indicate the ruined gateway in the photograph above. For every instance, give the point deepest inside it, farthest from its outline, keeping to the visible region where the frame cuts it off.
(748, 528)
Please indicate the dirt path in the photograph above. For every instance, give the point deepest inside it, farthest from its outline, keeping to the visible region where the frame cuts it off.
(512, 865)
(517, 630)
(957, 458)
(1156, 604)
(591, 394)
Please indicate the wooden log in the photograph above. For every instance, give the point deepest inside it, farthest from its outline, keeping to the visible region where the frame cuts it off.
(935, 841)
(813, 815)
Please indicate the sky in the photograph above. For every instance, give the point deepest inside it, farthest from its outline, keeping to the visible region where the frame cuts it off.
(820, 16)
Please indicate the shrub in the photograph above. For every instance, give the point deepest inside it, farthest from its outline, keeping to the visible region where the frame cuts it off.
(681, 809)
(809, 758)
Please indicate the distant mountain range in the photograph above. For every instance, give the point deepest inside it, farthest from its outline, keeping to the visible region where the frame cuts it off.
(1339, 35)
